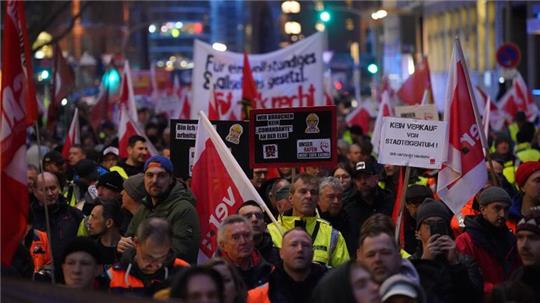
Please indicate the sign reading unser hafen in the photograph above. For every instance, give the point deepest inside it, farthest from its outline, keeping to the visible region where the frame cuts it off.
(293, 137)
(183, 132)
(411, 142)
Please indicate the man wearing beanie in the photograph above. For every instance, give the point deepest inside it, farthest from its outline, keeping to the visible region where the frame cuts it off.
(528, 181)
(527, 277)
(415, 195)
(445, 275)
(488, 240)
(170, 200)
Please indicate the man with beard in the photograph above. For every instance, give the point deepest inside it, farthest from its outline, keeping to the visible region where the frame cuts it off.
(487, 239)
(104, 225)
(171, 200)
(137, 152)
(369, 198)
(262, 239)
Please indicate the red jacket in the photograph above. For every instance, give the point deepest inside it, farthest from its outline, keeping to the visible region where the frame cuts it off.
(496, 255)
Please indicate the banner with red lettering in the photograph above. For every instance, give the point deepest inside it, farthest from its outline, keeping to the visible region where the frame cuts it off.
(219, 184)
(289, 77)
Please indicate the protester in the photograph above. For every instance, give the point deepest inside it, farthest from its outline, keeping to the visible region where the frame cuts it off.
(368, 199)
(279, 196)
(259, 176)
(378, 251)
(53, 162)
(401, 289)
(330, 207)
(262, 239)
(350, 282)
(235, 289)
(414, 196)
(528, 181)
(294, 279)
(133, 193)
(75, 154)
(170, 200)
(150, 266)
(199, 285)
(137, 152)
(84, 192)
(344, 176)
(110, 157)
(235, 242)
(487, 239)
(81, 264)
(109, 186)
(104, 226)
(64, 220)
(328, 243)
(445, 275)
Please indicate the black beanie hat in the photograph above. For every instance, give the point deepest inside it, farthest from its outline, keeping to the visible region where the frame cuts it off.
(112, 180)
(416, 194)
(83, 244)
(432, 208)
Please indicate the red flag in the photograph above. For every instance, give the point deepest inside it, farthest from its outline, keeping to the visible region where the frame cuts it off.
(19, 110)
(218, 183)
(359, 116)
(385, 110)
(102, 109)
(63, 81)
(73, 136)
(128, 128)
(525, 98)
(249, 87)
(186, 108)
(213, 108)
(412, 90)
(127, 96)
(464, 173)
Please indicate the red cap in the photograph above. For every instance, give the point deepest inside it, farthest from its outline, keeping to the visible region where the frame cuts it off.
(525, 170)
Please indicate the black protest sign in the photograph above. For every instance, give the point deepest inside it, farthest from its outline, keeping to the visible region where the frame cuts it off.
(183, 132)
(290, 137)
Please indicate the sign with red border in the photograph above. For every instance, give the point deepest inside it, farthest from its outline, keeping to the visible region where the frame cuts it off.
(291, 137)
(508, 55)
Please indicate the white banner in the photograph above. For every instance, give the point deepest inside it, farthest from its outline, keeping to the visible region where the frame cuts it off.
(289, 77)
(410, 142)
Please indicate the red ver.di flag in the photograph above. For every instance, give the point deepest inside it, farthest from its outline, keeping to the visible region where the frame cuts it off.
(128, 128)
(73, 136)
(218, 183)
(464, 173)
(19, 110)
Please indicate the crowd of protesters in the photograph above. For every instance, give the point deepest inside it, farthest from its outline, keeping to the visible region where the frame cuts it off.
(130, 227)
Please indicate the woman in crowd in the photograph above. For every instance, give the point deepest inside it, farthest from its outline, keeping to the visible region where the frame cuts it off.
(198, 285)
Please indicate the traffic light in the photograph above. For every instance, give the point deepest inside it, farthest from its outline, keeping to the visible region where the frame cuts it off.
(111, 79)
(373, 68)
(325, 16)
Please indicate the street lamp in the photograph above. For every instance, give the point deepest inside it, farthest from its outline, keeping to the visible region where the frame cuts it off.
(293, 28)
(379, 14)
(290, 7)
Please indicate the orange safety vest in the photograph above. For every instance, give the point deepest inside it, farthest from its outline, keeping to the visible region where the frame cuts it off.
(259, 294)
(40, 250)
(121, 278)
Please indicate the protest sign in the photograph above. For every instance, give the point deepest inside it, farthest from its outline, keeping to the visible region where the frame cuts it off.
(294, 136)
(411, 142)
(234, 133)
(289, 77)
(422, 112)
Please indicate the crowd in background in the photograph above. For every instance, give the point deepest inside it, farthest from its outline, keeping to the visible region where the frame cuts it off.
(130, 227)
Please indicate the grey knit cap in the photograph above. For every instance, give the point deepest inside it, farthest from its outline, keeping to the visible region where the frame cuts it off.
(494, 194)
(134, 186)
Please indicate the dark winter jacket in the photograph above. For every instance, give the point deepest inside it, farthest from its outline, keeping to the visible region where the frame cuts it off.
(178, 208)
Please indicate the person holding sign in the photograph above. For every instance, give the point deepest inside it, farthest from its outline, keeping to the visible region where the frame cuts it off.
(329, 247)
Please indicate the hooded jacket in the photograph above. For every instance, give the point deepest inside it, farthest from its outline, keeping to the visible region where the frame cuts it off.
(178, 208)
(494, 249)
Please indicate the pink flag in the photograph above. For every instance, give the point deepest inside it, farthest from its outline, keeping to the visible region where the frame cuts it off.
(127, 96)
(464, 173)
(359, 116)
(73, 137)
(128, 128)
(18, 111)
(385, 110)
(219, 184)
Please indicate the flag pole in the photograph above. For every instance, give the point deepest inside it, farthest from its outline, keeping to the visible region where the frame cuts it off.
(483, 139)
(402, 202)
(45, 206)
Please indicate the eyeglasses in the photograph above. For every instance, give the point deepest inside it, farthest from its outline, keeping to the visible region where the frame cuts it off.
(257, 215)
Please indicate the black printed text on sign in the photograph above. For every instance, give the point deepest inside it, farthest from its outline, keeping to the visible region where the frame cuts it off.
(302, 136)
